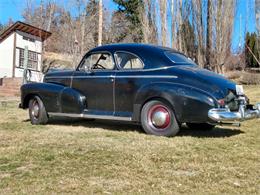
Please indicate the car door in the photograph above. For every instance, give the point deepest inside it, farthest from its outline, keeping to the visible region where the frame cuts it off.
(94, 78)
(128, 80)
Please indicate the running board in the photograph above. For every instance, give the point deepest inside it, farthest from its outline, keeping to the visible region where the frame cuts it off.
(91, 116)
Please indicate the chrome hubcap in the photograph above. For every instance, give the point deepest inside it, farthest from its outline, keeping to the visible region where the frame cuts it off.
(159, 117)
(35, 109)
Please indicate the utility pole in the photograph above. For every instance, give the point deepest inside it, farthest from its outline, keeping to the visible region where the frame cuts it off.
(100, 23)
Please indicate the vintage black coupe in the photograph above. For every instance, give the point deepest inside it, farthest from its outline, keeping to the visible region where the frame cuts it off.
(157, 87)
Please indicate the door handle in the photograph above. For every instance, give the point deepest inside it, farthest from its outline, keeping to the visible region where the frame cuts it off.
(112, 78)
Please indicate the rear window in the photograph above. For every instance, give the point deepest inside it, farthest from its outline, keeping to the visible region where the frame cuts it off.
(178, 58)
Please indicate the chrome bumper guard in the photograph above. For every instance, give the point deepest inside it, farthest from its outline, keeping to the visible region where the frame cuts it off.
(225, 115)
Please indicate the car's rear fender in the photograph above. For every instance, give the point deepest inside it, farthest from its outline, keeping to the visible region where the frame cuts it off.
(56, 98)
(190, 104)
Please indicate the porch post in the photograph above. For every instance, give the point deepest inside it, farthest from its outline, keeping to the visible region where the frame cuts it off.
(25, 64)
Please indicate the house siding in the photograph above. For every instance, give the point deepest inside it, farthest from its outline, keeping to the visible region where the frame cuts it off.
(6, 56)
(33, 46)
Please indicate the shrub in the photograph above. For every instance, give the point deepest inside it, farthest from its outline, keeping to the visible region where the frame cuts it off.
(235, 62)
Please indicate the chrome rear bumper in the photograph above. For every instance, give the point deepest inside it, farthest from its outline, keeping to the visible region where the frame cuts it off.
(225, 115)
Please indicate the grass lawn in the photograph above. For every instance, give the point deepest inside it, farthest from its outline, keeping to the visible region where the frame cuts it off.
(85, 157)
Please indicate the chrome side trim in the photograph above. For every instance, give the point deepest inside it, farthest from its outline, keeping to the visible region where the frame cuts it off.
(106, 117)
(90, 116)
(65, 114)
(71, 81)
(108, 77)
(114, 93)
(144, 70)
(148, 76)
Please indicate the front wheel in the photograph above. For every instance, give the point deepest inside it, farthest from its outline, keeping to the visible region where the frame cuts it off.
(158, 118)
(37, 112)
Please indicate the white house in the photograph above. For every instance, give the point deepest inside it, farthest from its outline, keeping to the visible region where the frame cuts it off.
(13, 42)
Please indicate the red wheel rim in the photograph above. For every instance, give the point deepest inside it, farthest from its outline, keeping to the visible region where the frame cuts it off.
(159, 117)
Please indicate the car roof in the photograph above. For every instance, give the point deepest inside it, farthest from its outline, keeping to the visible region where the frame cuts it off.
(152, 55)
(131, 46)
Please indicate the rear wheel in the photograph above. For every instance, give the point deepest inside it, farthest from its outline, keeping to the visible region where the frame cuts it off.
(37, 112)
(158, 118)
(200, 126)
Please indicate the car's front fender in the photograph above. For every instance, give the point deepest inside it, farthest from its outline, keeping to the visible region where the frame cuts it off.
(56, 98)
(190, 104)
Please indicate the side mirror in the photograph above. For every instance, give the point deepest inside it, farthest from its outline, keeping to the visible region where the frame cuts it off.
(102, 57)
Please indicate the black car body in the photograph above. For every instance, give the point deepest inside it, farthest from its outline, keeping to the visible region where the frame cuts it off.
(155, 86)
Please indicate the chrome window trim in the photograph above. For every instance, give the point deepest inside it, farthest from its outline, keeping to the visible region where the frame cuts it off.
(147, 76)
(120, 68)
(179, 63)
(98, 70)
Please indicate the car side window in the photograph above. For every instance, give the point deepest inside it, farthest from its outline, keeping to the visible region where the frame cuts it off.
(97, 61)
(127, 60)
(178, 58)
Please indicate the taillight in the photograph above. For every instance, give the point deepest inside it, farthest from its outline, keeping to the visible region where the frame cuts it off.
(221, 102)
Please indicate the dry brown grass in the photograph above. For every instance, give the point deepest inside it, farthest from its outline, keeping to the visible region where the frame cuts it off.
(100, 157)
(59, 61)
(250, 78)
(233, 75)
(58, 56)
(245, 78)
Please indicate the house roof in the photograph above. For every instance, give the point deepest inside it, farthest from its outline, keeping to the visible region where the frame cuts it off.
(27, 29)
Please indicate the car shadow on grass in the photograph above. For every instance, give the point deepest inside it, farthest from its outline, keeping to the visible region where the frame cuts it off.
(96, 123)
(217, 132)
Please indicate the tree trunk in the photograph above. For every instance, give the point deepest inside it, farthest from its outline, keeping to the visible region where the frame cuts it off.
(209, 34)
(173, 25)
(179, 18)
(163, 13)
(100, 22)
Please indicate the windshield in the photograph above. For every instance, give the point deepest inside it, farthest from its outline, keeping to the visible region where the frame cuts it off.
(178, 58)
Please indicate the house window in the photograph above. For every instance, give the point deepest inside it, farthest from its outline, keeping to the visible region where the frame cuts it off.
(32, 59)
(28, 39)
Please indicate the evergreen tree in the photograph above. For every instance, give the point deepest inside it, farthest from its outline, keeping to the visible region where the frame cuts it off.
(1, 28)
(4, 27)
(132, 10)
(251, 42)
(92, 12)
